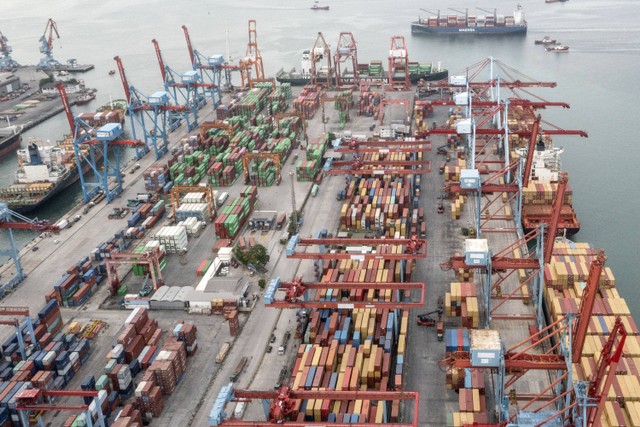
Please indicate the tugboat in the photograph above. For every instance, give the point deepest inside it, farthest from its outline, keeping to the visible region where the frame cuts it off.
(557, 49)
(546, 40)
(318, 6)
(112, 72)
(85, 98)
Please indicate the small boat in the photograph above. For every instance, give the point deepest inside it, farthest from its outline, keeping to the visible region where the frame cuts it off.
(85, 98)
(557, 49)
(546, 40)
(318, 6)
(555, 1)
(112, 72)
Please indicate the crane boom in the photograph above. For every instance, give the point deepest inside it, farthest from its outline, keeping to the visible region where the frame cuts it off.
(123, 77)
(188, 38)
(163, 70)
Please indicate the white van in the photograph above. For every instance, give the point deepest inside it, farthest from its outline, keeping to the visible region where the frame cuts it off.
(222, 198)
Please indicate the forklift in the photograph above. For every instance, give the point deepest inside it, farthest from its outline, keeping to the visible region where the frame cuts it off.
(425, 319)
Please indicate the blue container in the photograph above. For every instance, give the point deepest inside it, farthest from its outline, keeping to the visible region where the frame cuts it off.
(52, 304)
(135, 368)
(309, 380)
(6, 374)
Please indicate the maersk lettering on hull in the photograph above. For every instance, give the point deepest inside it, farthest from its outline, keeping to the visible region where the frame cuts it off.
(418, 28)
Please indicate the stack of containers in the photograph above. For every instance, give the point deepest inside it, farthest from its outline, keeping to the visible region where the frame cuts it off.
(187, 333)
(315, 151)
(422, 111)
(156, 178)
(462, 301)
(149, 397)
(263, 173)
(192, 225)
(308, 101)
(377, 204)
(234, 215)
(254, 100)
(173, 238)
(369, 103)
(306, 171)
(204, 266)
(197, 210)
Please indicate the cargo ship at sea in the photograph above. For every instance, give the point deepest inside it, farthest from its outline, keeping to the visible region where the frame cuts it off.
(465, 24)
(43, 171)
(10, 138)
(372, 72)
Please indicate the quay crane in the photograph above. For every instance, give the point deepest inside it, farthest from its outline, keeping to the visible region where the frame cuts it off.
(185, 89)
(210, 69)
(320, 51)
(252, 58)
(6, 62)
(153, 115)
(398, 63)
(91, 146)
(279, 405)
(8, 222)
(46, 46)
(345, 51)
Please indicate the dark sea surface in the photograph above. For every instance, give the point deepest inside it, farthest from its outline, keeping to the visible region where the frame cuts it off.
(598, 77)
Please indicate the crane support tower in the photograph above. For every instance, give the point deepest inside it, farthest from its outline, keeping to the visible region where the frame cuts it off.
(185, 89)
(153, 116)
(252, 58)
(319, 52)
(91, 146)
(8, 222)
(209, 67)
(346, 51)
(399, 64)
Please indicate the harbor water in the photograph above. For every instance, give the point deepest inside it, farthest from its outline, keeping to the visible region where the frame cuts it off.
(597, 77)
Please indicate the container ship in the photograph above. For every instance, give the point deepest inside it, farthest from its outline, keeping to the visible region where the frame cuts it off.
(463, 23)
(9, 138)
(372, 72)
(43, 171)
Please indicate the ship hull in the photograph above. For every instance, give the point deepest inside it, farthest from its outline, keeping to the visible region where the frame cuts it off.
(73, 177)
(419, 28)
(9, 143)
(284, 77)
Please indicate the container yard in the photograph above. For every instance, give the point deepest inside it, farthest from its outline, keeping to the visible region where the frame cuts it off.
(325, 266)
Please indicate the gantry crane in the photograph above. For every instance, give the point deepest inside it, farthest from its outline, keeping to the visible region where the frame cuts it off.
(566, 335)
(387, 101)
(296, 295)
(384, 147)
(210, 69)
(252, 58)
(178, 190)
(46, 46)
(398, 73)
(186, 89)
(154, 115)
(206, 126)
(342, 102)
(279, 405)
(359, 166)
(6, 62)
(150, 257)
(33, 399)
(320, 51)
(345, 51)
(249, 159)
(8, 222)
(20, 311)
(91, 146)
(359, 249)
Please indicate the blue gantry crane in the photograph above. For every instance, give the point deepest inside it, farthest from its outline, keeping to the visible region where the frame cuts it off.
(6, 62)
(185, 89)
(10, 220)
(209, 67)
(91, 146)
(26, 324)
(153, 115)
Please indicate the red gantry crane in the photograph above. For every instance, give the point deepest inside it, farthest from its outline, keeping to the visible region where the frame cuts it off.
(283, 409)
(359, 249)
(346, 50)
(252, 58)
(398, 73)
(150, 258)
(32, 399)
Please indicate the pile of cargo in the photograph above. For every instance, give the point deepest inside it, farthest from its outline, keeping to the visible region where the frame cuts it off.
(173, 238)
(254, 100)
(377, 204)
(350, 351)
(369, 103)
(277, 101)
(222, 176)
(200, 211)
(462, 301)
(117, 243)
(234, 215)
(544, 193)
(456, 206)
(306, 170)
(422, 111)
(100, 119)
(79, 282)
(569, 267)
(149, 213)
(262, 173)
(315, 151)
(308, 101)
(156, 178)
